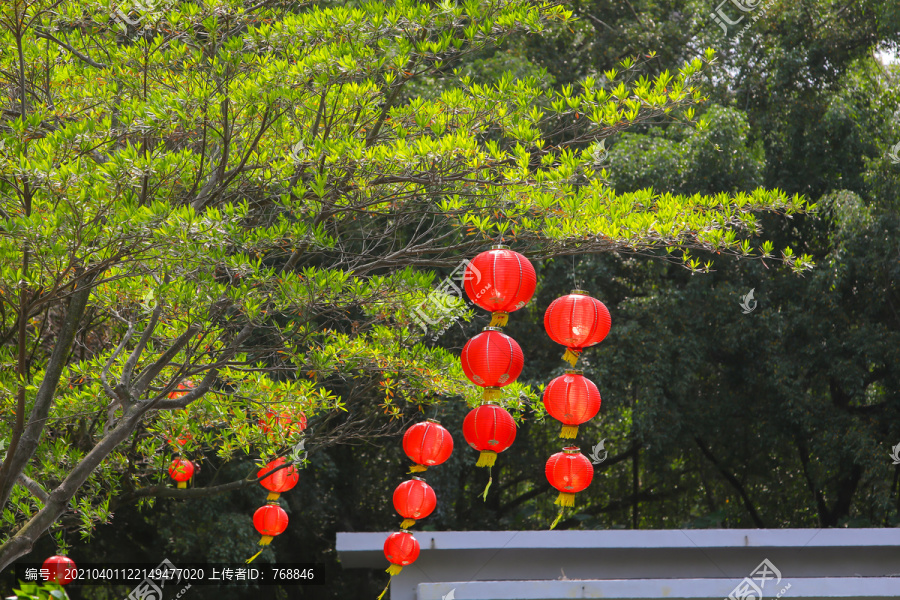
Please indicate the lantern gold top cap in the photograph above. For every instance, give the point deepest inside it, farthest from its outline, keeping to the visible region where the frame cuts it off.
(435, 421)
(492, 329)
(572, 450)
(580, 292)
(574, 372)
(499, 247)
(418, 478)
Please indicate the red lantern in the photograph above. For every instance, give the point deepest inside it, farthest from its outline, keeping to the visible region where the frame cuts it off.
(183, 389)
(59, 569)
(570, 472)
(576, 321)
(491, 360)
(414, 499)
(401, 549)
(501, 281)
(573, 399)
(280, 481)
(181, 470)
(282, 423)
(270, 520)
(427, 444)
(489, 429)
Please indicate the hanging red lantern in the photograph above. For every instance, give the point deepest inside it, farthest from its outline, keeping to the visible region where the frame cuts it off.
(181, 470)
(492, 360)
(270, 520)
(576, 321)
(489, 429)
(58, 569)
(183, 389)
(501, 281)
(282, 423)
(427, 444)
(401, 549)
(573, 399)
(570, 472)
(281, 480)
(414, 499)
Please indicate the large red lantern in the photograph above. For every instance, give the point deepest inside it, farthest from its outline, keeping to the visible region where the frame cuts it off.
(492, 360)
(489, 429)
(58, 569)
(181, 470)
(501, 281)
(576, 321)
(270, 520)
(427, 444)
(414, 499)
(570, 472)
(401, 549)
(573, 399)
(281, 480)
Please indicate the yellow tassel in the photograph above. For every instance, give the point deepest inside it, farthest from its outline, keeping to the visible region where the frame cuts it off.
(394, 569)
(558, 518)
(272, 496)
(499, 319)
(487, 487)
(407, 523)
(266, 540)
(565, 499)
(417, 468)
(250, 560)
(384, 591)
(182, 485)
(569, 432)
(490, 394)
(487, 458)
(571, 356)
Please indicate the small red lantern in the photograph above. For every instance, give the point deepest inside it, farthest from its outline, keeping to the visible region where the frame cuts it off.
(570, 472)
(282, 423)
(414, 499)
(280, 481)
(489, 429)
(576, 321)
(401, 549)
(270, 520)
(427, 444)
(181, 470)
(182, 390)
(573, 399)
(501, 281)
(491, 360)
(59, 569)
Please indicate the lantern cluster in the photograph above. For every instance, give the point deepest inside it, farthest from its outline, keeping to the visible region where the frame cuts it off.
(181, 469)
(501, 281)
(426, 444)
(277, 476)
(577, 321)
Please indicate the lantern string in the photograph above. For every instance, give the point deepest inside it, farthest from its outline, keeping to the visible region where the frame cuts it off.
(252, 558)
(488, 486)
(556, 521)
(384, 591)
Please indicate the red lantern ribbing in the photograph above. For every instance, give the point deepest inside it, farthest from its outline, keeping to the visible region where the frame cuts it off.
(181, 470)
(281, 480)
(570, 472)
(489, 429)
(427, 444)
(59, 569)
(414, 499)
(492, 360)
(499, 280)
(576, 321)
(572, 399)
(401, 549)
(270, 520)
